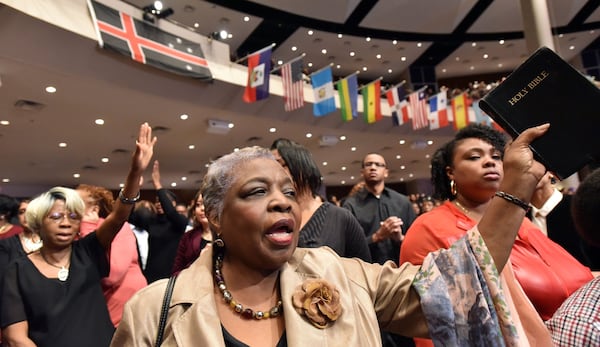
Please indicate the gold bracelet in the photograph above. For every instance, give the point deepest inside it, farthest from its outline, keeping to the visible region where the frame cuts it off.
(513, 199)
(128, 201)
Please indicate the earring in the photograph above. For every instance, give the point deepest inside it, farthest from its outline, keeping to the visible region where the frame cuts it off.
(453, 188)
(219, 242)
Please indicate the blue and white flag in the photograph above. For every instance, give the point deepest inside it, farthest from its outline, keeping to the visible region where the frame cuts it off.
(322, 82)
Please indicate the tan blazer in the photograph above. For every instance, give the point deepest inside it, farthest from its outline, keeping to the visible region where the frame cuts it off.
(368, 292)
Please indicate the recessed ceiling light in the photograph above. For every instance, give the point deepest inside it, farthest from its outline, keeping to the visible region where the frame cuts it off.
(76, 175)
(184, 117)
(473, 44)
(62, 145)
(343, 138)
(196, 25)
(308, 135)
(351, 177)
(51, 89)
(4, 122)
(352, 53)
(99, 121)
(230, 125)
(121, 185)
(430, 142)
(485, 56)
(368, 39)
(104, 160)
(324, 51)
(310, 64)
(343, 168)
(402, 142)
(338, 66)
(457, 58)
(353, 149)
(472, 68)
(310, 32)
(378, 56)
(280, 62)
(324, 163)
(501, 42)
(294, 48)
(184, 178)
(364, 68)
(561, 35)
(403, 58)
(402, 167)
(191, 146)
(272, 130)
(6, 180)
(395, 42)
(427, 156)
(246, 19)
(173, 184)
(340, 36)
(398, 156)
(419, 44)
(571, 47)
(389, 70)
(443, 70)
(342, 182)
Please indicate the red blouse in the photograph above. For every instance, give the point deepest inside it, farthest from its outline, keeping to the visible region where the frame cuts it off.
(547, 273)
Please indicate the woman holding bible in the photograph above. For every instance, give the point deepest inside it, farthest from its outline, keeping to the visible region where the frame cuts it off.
(467, 173)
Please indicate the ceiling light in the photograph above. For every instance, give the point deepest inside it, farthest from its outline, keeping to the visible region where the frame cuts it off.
(4, 122)
(51, 89)
(340, 36)
(5, 180)
(324, 163)
(368, 39)
(99, 121)
(485, 56)
(338, 66)
(105, 160)
(342, 182)
(183, 117)
(402, 142)
(76, 175)
(343, 138)
(280, 62)
(353, 149)
(62, 145)
(419, 44)
(324, 51)
(473, 44)
(272, 130)
(173, 184)
(499, 64)
(308, 135)
(343, 168)
(395, 42)
(310, 64)
(191, 146)
(444, 70)
(389, 70)
(196, 25)
(351, 177)
(156, 11)
(294, 48)
(403, 58)
(402, 167)
(472, 68)
(378, 56)
(501, 42)
(246, 19)
(398, 156)
(571, 47)
(430, 142)
(364, 68)
(310, 32)
(352, 53)
(184, 178)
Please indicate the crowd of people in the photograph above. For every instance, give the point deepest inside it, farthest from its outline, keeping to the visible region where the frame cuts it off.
(496, 255)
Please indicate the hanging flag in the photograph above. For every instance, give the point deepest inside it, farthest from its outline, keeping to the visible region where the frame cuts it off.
(147, 44)
(418, 108)
(372, 102)
(348, 91)
(480, 116)
(438, 111)
(259, 68)
(322, 82)
(293, 85)
(459, 109)
(395, 98)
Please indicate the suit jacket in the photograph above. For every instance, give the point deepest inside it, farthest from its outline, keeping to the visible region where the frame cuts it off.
(371, 295)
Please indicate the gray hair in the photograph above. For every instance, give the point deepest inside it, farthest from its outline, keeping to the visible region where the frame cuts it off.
(220, 177)
(39, 207)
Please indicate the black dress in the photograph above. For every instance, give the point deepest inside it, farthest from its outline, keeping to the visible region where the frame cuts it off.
(72, 313)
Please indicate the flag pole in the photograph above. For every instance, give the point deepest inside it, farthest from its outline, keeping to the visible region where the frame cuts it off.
(277, 68)
(354, 73)
(373, 81)
(321, 69)
(403, 82)
(259, 51)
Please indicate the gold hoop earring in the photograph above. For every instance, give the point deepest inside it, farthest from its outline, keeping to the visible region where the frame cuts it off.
(453, 188)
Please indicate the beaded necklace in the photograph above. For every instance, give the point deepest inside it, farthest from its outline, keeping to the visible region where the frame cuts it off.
(246, 313)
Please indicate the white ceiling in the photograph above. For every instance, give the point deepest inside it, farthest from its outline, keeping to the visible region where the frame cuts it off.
(93, 83)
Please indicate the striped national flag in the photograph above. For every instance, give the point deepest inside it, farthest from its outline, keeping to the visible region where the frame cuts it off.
(417, 102)
(293, 85)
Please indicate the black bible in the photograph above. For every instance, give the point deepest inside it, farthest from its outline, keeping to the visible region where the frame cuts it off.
(546, 89)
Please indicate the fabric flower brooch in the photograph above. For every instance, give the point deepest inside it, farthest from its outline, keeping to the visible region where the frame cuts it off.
(319, 301)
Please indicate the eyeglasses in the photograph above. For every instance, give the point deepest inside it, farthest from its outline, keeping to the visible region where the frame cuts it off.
(57, 217)
(371, 163)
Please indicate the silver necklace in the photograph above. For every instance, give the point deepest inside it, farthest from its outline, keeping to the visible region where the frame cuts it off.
(63, 272)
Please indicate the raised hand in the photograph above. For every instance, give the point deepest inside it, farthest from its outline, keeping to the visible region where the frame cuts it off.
(144, 148)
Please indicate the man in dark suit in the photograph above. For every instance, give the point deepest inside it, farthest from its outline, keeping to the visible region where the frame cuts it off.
(551, 212)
